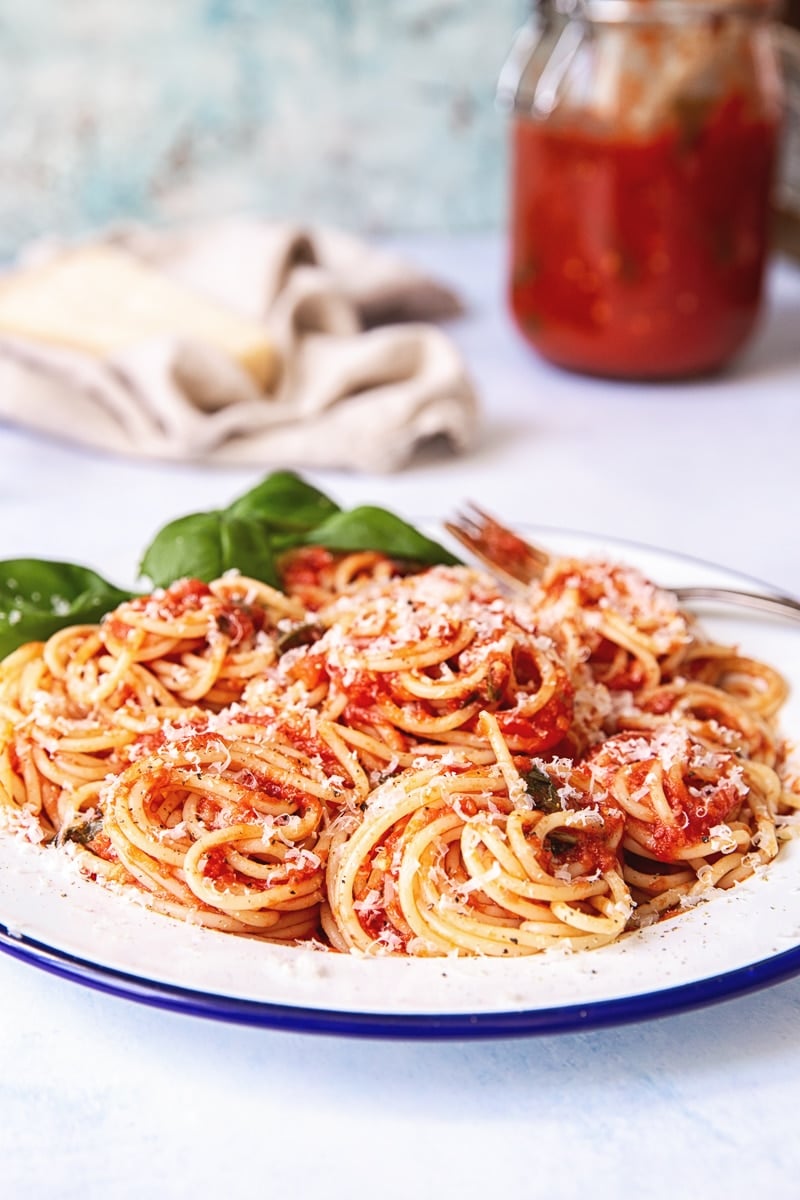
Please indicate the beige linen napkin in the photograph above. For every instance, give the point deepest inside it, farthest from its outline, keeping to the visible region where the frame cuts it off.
(353, 391)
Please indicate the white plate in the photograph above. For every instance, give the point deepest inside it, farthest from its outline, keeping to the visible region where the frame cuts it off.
(737, 941)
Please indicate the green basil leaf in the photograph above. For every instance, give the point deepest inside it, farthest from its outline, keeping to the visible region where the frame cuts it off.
(304, 634)
(83, 829)
(205, 545)
(285, 502)
(248, 547)
(561, 843)
(369, 528)
(542, 791)
(187, 547)
(39, 597)
(280, 513)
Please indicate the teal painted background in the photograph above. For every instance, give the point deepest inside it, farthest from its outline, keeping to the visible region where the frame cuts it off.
(373, 115)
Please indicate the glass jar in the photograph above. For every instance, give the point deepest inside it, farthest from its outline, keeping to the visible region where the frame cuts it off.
(643, 143)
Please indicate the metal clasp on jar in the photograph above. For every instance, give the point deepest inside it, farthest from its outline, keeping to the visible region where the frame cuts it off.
(540, 56)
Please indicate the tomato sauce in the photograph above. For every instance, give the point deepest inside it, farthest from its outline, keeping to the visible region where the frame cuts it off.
(305, 568)
(591, 849)
(641, 256)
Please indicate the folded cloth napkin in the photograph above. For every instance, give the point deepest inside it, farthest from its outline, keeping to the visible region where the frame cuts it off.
(364, 376)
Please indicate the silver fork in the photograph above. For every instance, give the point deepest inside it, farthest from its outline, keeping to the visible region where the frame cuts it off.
(518, 562)
(778, 605)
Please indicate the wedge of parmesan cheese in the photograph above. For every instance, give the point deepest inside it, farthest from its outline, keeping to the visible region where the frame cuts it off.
(101, 300)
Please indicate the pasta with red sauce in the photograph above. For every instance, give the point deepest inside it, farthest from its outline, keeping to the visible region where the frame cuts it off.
(386, 761)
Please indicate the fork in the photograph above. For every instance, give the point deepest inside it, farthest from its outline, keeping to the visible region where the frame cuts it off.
(518, 563)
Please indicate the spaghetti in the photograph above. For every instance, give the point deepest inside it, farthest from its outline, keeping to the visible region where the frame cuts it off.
(389, 761)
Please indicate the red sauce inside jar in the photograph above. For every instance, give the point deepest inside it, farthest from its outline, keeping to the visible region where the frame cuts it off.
(641, 256)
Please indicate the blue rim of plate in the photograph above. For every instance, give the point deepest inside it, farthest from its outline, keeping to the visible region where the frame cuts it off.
(423, 1026)
(428, 1026)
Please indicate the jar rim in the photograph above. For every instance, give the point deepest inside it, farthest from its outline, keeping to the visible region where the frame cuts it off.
(658, 12)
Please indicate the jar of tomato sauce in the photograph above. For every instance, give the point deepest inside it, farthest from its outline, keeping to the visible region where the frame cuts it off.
(643, 142)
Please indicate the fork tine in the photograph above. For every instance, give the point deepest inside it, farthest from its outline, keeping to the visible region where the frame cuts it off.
(504, 552)
(509, 575)
(508, 538)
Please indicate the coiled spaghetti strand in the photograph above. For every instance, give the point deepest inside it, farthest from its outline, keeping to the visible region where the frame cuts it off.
(486, 898)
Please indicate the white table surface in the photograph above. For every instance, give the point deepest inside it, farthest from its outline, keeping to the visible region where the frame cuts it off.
(103, 1097)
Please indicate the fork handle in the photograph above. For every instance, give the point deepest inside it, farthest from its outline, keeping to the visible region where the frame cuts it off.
(783, 606)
